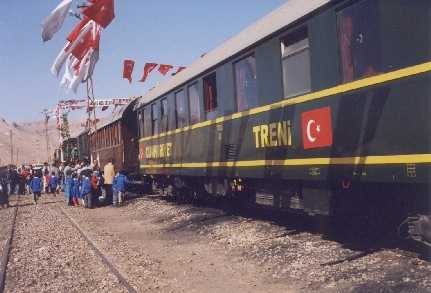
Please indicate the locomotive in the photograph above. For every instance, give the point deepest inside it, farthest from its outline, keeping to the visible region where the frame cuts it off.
(321, 107)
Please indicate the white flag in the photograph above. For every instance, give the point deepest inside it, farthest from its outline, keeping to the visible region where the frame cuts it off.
(83, 69)
(55, 20)
(93, 60)
(94, 55)
(68, 72)
(65, 52)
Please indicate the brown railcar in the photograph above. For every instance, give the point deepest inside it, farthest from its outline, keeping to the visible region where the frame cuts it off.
(115, 139)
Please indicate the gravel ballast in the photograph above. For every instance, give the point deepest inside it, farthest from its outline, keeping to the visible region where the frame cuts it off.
(49, 255)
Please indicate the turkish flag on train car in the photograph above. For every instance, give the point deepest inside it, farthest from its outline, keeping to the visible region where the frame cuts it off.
(101, 11)
(317, 128)
(128, 69)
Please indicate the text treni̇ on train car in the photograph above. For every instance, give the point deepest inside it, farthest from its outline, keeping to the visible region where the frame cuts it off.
(321, 106)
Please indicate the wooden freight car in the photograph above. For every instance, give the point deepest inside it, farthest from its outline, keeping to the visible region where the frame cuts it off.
(115, 139)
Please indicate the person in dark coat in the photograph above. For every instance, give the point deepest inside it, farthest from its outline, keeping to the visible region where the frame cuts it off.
(4, 195)
(53, 183)
(119, 187)
(85, 190)
(36, 186)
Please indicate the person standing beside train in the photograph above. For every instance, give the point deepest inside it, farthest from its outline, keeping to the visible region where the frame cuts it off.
(108, 175)
(119, 186)
(74, 190)
(53, 183)
(36, 185)
(67, 187)
(4, 195)
(85, 191)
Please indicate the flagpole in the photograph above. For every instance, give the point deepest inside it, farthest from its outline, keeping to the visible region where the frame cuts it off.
(91, 101)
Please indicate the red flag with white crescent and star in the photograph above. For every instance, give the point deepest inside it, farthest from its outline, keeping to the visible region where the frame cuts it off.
(165, 68)
(91, 39)
(128, 69)
(77, 29)
(147, 70)
(180, 68)
(317, 128)
(101, 11)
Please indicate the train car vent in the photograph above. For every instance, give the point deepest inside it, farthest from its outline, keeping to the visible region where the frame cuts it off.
(231, 152)
(264, 199)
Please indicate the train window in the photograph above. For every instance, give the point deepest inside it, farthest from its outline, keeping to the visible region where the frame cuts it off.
(154, 120)
(164, 115)
(358, 37)
(296, 63)
(246, 83)
(210, 95)
(147, 122)
(194, 103)
(180, 109)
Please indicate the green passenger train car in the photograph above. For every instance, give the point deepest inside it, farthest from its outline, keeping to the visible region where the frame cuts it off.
(314, 105)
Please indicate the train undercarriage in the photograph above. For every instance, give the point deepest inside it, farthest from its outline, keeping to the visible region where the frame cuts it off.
(403, 208)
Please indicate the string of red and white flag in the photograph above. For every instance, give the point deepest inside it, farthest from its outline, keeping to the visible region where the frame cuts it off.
(65, 106)
(163, 69)
(81, 51)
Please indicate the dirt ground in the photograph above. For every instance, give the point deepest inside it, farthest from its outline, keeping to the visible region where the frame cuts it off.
(162, 246)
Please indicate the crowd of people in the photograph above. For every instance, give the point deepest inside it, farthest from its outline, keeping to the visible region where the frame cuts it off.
(83, 184)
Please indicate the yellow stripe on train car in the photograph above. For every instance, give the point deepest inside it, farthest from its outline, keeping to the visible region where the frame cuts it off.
(366, 160)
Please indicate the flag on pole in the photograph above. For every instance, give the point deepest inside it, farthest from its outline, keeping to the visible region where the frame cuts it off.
(164, 68)
(53, 23)
(101, 11)
(83, 68)
(93, 60)
(128, 69)
(68, 72)
(147, 70)
(65, 52)
(75, 33)
(90, 40)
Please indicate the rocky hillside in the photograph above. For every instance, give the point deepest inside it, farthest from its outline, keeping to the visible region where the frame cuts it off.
(29, 140)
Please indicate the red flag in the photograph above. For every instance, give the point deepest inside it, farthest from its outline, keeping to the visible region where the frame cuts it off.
(147, 70)
(317, 128)
(101, 11)
(181, 68)
(164, 68)
(104, 108)
(75, 33)
(90, 40)
(128, 69)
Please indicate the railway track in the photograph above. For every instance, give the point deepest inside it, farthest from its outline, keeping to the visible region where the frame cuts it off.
(121, 279)
(7, 247)
(54, 209)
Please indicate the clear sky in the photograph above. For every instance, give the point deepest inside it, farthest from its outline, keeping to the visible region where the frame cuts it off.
(161, 31)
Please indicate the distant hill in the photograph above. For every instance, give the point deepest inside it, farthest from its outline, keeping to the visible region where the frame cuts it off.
(29, 140)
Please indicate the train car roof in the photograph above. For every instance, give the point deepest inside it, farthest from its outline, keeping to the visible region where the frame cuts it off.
(286, 14)
(79, 133)
(116, 115)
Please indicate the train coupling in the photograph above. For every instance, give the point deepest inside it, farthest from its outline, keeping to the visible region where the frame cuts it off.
(417, 228)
